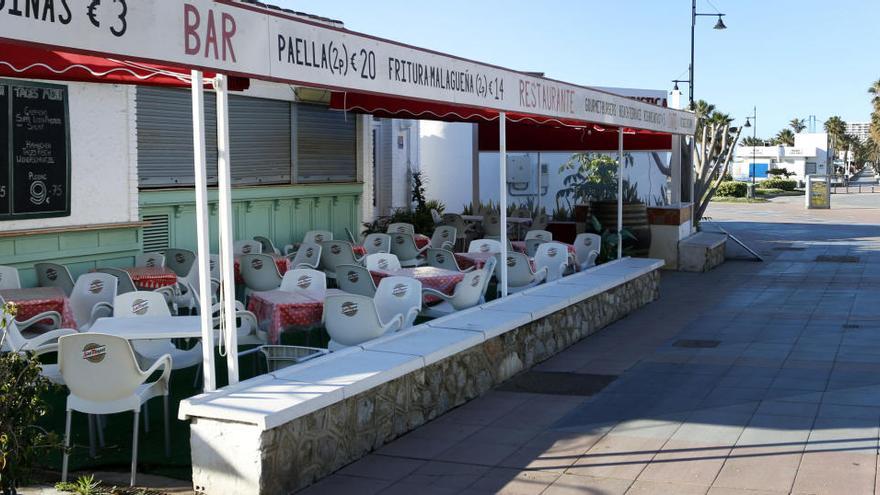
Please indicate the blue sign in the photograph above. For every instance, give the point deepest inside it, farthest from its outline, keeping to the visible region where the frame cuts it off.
(758, 170)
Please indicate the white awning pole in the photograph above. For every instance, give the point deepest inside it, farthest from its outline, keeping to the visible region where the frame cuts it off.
(224, 186)
(203, 249)
(538, 193)
(502, 198)
(620, 193)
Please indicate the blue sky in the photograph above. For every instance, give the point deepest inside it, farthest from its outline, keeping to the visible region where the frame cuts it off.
(790, 58)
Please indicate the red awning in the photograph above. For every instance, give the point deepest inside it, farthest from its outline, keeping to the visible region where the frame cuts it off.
(525, 132)
(38, 63)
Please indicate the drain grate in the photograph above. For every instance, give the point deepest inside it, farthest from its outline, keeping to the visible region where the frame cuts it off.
(557, 383)
(789, 248)
(837, 259)
(697, 343)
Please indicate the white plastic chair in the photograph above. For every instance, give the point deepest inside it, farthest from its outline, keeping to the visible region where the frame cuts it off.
(401, 228)
(92, 298)
(259, 272)
(382, 261)
(54, 275)
(352, 319)
(485, 246)
(445, 259)
(266, 245)
(150, 260)
(104, 378)
(489, 268)
(554, 257)
(463, 229)
(467, 294)
(543, 235)
(145, 303)
(247, 247)
(587, 248)
(404, 247)
(335, 253)
(492, 225)
(180, 261)
(443, 237)
(14, 341)
(540, 222)
(304, 281)
(307, 256)
(317, 236)
(519, 273)
(355, 279)
(399, 296)
(377, 243)
(9, 278)
(435, 215)
(532, 246)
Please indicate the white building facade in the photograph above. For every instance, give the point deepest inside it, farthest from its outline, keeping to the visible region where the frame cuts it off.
(807, 157)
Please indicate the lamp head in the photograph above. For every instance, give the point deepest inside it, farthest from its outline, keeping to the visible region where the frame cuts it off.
(720, 24)
(675, 88)
(747, 124)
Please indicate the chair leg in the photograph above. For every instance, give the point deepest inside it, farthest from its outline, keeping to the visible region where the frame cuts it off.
(66, 446)
(167, 426)
(101, 423)
(134, 446)
(146, 411)
(198, 374)
(92, 450)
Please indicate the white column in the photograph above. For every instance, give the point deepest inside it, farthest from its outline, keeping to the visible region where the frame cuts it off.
(538, 195)
(620, 192)
(502, 196)
(203, 249)
(224, 186)
(475, 166)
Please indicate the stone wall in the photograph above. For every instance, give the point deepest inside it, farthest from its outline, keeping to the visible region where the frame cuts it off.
(298, 453)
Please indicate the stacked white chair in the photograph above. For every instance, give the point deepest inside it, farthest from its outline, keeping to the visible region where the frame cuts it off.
(335, 253)
(444, 237)
(467, 294)
(352, 319)
(92, 298)
(304, 281)
(554, 257)
(259, 272)
(588, 247)
(377, 243)
(520, 275)
(355, 279)
(307, 256)
(403, 245)
(54, 275)
(9, 278)
(383, 262)
(399, 296)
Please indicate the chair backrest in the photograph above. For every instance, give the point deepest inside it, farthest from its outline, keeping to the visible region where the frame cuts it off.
(554, 256)
(98, 367)
(382, 261)
(435, 215)
(469, 291)
(335, 253)
(444, 236)
(259, 272)
(401, 228)
(543, 235)
(247, 247)
(14, 340)
(404, 247)
(149, 260)
(214, 266)
(351, 319)
(305, 281)
(519, 270)
(355, 279)
(587, 246)
(492, 224)
(308, 254)
(489, 270)
(442, 258)
(532, 246)
(317, 236)
(180, 261)
(455, 220)
(540, 221)
(399, 296)
(377, 243)
(89, 290)
(124, 283)
(9, 278)
(140, 303)
(266, 244)
(484, 246)
(54, 275)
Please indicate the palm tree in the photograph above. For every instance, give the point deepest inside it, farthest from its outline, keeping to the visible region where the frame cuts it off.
(874, 91)
(797, 125)
(752, 141)
(784, 137)
(836, 129)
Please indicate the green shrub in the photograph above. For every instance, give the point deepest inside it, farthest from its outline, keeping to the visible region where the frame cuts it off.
(780, 171)
(732, 189)
(784, 184)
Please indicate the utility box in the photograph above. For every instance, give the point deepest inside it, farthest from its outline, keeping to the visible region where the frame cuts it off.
(818, 193)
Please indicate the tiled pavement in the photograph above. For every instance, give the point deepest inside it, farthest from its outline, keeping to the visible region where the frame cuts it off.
(788, 401)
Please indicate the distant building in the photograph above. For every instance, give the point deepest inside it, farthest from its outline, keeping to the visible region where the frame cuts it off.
(861, 130)
(808, 156)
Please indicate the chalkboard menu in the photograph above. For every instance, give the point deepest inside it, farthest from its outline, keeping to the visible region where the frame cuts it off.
(34, 150)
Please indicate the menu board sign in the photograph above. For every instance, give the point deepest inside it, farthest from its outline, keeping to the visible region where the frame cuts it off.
(34, 151)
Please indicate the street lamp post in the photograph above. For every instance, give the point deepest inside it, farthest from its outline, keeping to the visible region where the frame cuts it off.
(718, 25)
(753, 118)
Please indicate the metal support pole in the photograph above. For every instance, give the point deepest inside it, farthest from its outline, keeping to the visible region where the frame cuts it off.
(224, 186)
(538, 194)
(203, 249)
(691, 66)
(475, 168)
(502, 198)
(620, 193)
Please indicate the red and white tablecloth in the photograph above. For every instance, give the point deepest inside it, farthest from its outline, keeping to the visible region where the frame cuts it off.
(282, 262)
(151, 277)
(278, 309)
(520, 246)
(421, 240)
(35, 300)
(434, 278)
(467, 260)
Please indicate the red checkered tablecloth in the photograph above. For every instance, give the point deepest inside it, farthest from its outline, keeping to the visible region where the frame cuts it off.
(421, 240)
(278, 309)
(467, 260)
(35, 300)
(282, 262)
(151, 277)
(520, 246)
(359, 250)
(434, 278)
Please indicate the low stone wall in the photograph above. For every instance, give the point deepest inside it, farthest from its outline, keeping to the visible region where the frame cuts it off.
(701, 252)
(308, 448)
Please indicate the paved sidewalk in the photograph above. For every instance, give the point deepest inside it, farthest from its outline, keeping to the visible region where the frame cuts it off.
(757, 378)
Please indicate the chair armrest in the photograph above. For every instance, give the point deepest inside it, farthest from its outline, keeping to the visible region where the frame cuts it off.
(468, 269)
(289, 249)
(48, 338)
(423, 249)
(448, 245)
(436, 293)
(167, 292)
(163, 362)
(55, 316)
(394, 325)
(99, 310)
(45, 349)
(412, 314)
(541, 275)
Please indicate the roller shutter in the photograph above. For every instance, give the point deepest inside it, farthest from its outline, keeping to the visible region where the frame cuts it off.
(326, 145)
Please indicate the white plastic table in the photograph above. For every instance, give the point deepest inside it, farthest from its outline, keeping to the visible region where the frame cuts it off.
(150, 327)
